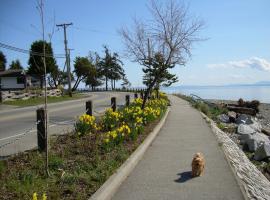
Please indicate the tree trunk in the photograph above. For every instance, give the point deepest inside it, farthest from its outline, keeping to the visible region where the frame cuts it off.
(157, 93)
(148, 92)
(112, 84)
(76, 84)
(41, 82)
(106, 80)
(55, 83)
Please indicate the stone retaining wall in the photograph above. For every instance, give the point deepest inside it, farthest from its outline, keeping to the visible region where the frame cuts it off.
(253, 183)
(15, 95)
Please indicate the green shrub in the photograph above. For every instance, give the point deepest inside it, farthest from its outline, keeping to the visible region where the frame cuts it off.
(204, 108)
(221, 126)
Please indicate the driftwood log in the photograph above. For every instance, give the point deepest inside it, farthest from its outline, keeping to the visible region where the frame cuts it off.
(265, 131)
(242, 110)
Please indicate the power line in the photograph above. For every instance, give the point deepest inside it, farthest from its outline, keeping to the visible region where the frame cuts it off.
(95, 31)
(12, 48)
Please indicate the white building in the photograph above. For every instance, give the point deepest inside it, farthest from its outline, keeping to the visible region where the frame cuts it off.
(14, 79)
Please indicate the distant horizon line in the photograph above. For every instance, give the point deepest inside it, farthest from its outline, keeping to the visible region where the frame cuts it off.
(262, 83)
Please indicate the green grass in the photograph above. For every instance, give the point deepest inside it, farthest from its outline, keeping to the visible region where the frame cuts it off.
(40, 100)
(211, 112)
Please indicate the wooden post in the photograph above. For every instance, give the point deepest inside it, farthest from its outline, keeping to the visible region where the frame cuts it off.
(127, 100)
(89, 108)
(135, 95)
(41, 129)
(113, 103)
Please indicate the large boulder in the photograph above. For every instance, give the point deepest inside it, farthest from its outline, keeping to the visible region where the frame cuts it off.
(262, 152)
(223, 118)
(244, 129)
(243, 119)
(256, 125)
(256, 140)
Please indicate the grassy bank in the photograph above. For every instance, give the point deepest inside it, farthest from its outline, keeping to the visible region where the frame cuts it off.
(82, 161)
(211, 111)
(40, 100)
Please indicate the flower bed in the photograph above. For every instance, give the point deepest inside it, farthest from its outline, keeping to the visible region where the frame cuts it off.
(82, 161)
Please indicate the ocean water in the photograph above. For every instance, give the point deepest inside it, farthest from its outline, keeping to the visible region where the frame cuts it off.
(246, 92)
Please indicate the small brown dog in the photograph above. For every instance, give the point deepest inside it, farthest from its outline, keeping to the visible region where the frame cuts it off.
(198, 165)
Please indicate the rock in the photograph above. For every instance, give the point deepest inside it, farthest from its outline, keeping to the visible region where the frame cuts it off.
(262, 152)
(256, 140)
(256, 125)
(223, 118)
(232, 116)
(244, 138)
(250, 138)
(244, 129)
(243, 119)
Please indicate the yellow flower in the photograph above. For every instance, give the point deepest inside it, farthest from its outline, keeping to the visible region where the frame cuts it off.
(107, 140)
(114, 134)
(128, 130)
(35, 196)
(139, 120)
(44, 197)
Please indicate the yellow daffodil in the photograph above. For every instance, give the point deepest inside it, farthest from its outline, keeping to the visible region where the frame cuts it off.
(35, 196)
(44, 197)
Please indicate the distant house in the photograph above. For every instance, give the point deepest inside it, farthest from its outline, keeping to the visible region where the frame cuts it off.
(16, 79)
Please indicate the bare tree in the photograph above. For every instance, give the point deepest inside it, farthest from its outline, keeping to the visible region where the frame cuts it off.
(172, 31)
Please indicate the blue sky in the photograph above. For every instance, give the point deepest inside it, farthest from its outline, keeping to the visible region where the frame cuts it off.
(237, 51)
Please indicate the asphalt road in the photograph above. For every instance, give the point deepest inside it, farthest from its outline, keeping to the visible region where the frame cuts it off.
(18, 126)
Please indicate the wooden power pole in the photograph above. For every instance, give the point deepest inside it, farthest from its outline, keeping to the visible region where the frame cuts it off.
(67, 56)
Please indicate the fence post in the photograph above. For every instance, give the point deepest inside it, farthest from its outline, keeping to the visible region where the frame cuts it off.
(89, 108)
(41, 129)
(127, 100)
(113, 103)
(135, 95)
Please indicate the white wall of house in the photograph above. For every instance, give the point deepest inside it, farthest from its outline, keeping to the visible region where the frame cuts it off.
(10, 82)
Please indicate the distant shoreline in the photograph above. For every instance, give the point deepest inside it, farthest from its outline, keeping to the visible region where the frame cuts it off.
(229, 85)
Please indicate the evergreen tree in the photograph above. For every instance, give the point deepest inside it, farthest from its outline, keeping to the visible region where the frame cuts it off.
(15, 65)
(3, 61)
(36, 64)
(83, 68)
(111, 67)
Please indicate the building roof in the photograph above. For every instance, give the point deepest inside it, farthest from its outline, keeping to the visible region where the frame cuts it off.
(12, 73)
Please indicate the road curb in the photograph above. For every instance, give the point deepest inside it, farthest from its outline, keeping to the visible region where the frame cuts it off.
(253, 184)
(108, 189)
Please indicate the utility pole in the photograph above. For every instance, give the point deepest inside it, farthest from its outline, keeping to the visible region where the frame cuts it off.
(67, 56)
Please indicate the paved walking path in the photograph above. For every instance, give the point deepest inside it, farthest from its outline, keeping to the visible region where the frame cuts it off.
(164, 171)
